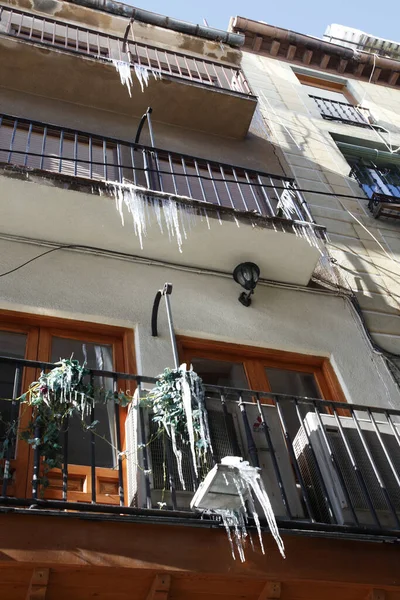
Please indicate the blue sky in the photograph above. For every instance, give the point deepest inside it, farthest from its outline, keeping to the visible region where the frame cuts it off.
(305, 16)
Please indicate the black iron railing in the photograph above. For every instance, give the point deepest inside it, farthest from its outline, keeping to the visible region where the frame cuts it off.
(327, 466)
(335, 110)
(74, 153)
(78, 39)
(382, 186)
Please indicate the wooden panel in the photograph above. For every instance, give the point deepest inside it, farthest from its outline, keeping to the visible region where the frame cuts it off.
(77, 542)
(38, 585)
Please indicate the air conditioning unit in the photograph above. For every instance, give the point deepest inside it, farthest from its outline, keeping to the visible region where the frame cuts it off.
(315, 463)
(228, 438)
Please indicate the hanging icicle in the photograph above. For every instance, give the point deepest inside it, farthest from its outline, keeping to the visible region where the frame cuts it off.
(175, 217)
(179, 214)
(239, 486)
(124, 70)
(142, 73)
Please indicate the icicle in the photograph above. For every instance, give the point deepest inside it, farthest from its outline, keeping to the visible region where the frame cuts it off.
(124, 70)
(178, 456)
(249, 486)
(187, 407)
(142, 74)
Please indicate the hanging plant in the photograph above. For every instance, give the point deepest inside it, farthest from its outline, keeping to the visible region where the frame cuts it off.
(177, 404)
(56, 396)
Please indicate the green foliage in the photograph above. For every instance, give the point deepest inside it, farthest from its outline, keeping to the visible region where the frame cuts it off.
(168, 402)
(56, 396)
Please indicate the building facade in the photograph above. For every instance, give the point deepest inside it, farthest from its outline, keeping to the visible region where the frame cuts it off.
(100, 208)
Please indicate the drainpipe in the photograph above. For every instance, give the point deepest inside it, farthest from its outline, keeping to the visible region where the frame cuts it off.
(145, 16)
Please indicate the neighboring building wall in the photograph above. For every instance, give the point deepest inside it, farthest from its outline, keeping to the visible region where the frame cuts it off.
(371, 267)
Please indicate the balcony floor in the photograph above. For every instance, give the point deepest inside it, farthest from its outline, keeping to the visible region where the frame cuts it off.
(115, 560)
(72, 77)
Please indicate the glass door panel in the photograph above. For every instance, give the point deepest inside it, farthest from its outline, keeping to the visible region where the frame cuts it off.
(292, 383)
(96, 356)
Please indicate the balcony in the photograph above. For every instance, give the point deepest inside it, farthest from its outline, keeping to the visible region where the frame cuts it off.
(187, 91)
(329, 469)
(382, 186)
(334, 110)
(85, 162)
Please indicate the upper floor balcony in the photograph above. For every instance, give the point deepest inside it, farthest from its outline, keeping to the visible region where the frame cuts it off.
(69, 62)
(329, 468)
(278, 231)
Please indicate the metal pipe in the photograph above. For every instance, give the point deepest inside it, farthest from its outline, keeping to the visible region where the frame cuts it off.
(166, 292)
(145, 16)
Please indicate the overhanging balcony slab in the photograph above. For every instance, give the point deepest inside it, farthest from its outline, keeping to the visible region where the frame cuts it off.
(41, 209)
(73, 77)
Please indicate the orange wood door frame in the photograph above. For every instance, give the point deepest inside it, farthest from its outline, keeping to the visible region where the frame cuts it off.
(40, 331)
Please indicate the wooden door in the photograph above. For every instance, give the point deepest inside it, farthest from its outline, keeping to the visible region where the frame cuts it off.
(16, 341)
(49, 339)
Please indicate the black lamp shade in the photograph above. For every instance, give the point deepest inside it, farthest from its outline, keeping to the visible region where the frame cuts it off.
(247, 274)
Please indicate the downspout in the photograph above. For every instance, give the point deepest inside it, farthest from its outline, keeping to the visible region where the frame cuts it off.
(145, 16)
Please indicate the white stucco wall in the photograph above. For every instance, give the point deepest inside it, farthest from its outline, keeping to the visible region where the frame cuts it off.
(106, 290)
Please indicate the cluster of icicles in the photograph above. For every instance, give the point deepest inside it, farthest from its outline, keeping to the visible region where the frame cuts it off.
(177, 214)
(142, 73)
(192, 393)
(250, 489)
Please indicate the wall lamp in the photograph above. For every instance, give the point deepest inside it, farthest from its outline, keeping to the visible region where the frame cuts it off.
(247, 275)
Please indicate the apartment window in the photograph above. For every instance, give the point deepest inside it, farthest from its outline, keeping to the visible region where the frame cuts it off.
(334, 101)
(101, 347)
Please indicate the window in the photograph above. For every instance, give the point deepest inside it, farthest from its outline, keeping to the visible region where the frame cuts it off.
(244, 368)
(334, 101)
(102, 347)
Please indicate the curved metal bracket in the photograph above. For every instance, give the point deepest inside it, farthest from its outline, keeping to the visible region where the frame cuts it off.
(154, 314)
(166, 291)
(145, 117)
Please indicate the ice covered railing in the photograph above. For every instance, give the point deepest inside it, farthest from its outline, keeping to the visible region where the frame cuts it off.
(139, 176)
(81, 40)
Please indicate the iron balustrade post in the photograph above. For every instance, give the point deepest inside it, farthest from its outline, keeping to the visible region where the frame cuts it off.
(36, 463)
(278, 475)
(145, 455)
(92, 445)
(119, 446)
(335, 465)
(375, 469)
(252, 448)
(319, 473)
(383, 446)
(12, 436)
(289, 445)
(356, 469)
(65, 460)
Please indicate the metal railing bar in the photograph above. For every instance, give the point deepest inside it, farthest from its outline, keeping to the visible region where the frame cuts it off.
(375, 469)
(299, 476)
(325, 492)
(265, 427)
(336, 466)
(358, 473)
